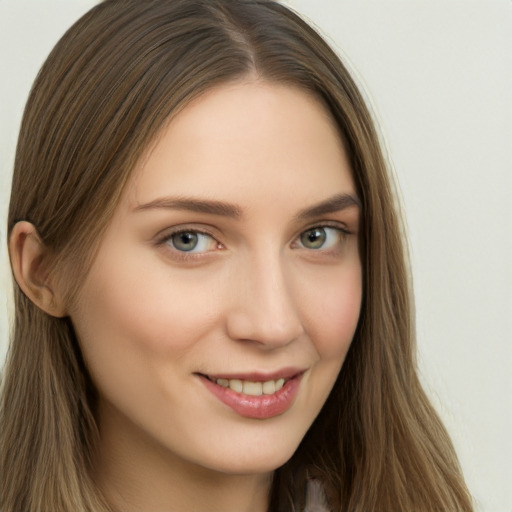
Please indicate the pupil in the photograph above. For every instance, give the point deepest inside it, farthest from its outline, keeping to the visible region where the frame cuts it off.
(185, 241)
(313, 238)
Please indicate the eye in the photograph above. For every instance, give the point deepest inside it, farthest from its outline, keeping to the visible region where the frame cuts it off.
(321, 237)
(191, 241)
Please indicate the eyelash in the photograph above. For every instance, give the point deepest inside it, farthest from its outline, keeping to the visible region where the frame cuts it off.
(341, 233)
(166, 240)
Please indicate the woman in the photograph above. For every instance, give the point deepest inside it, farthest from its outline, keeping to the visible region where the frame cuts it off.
(212, 302)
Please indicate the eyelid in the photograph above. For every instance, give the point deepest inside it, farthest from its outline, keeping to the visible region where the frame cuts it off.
(165, 235)
(167, 232)
(162, 238)
(341, 228)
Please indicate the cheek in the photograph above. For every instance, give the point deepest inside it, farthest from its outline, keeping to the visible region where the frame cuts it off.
(136, 324)
(333, 312)
(141, 309)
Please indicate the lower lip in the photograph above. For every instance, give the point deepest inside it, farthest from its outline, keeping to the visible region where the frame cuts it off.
(257, 407)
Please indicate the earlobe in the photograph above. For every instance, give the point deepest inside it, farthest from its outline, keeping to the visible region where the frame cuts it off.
(29, 260)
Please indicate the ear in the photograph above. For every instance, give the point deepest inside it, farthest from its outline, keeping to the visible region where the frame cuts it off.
(29, 260)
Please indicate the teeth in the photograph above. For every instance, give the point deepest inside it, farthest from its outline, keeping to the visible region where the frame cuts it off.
(236, 385)
(223, 382)
(251, 388)
(269, 387)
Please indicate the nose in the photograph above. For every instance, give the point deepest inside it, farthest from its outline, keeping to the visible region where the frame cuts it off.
(263, 306)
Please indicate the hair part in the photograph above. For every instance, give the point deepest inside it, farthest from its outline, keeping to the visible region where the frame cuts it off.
(106, 90)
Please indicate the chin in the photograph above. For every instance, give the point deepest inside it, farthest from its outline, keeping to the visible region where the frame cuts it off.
(260, 457)
(262, 465)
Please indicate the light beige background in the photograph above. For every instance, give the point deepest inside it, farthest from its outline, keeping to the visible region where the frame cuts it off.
(439, 76)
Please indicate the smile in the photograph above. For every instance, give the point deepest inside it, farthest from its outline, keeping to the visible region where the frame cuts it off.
(252, 388)
(254, 397)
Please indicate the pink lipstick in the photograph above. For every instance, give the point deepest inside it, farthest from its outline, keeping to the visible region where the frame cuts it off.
(254, 395)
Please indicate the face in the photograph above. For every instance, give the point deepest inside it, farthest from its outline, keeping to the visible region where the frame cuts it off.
(227, 288)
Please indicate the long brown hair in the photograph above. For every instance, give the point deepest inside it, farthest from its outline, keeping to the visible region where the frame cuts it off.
(107, 88)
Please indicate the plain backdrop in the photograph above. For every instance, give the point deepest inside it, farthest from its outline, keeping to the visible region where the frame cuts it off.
(438, 75)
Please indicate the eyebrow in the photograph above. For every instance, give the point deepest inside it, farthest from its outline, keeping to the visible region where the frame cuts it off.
(333, 204)
(194, 205)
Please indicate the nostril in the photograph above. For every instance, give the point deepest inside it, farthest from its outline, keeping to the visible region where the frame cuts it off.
(263, 307)
(243, 327)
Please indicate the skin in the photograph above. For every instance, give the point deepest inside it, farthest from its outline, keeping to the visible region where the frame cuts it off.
(251, 297)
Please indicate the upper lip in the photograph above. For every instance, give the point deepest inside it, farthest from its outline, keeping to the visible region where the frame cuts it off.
(283, 373)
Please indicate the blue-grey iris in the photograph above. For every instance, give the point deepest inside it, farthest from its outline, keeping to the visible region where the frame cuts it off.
(185, 241)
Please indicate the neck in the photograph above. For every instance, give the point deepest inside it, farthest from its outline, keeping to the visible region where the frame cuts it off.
(135, 475)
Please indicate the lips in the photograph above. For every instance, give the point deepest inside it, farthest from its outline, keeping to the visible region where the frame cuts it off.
(256, 396)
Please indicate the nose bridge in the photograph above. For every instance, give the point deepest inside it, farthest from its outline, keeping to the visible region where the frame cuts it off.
(264, 308)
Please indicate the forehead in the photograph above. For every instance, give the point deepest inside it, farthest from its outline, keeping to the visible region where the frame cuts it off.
(250, 139)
